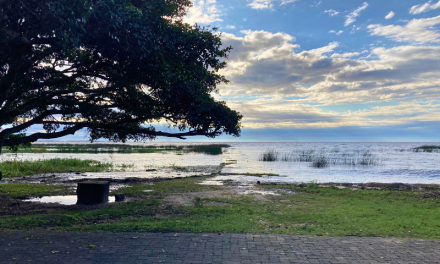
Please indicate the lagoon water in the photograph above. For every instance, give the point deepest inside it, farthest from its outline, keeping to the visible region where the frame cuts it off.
(391, 162)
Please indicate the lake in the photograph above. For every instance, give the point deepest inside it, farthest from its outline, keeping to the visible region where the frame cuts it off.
(346, 162)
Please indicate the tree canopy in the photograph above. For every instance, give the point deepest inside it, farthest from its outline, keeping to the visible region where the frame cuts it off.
(112, 67)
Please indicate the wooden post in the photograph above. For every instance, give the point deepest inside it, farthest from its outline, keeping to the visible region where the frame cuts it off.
(92, 192)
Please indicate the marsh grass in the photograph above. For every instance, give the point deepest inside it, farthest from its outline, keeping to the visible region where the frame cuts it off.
(320, 162)
(269, 155)
(427, 148)
(322, 159)
(19, 168)
(211, 149)
(303, 209)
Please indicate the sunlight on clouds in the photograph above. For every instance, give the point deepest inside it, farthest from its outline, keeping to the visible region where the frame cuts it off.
(416, 30)
(345, 55)
(390, 15)
(264, 68)
(331, 12)
(203, 12)
(268, 4)
(336, 32)
(278, 113)
(350, 18)
(417, 9)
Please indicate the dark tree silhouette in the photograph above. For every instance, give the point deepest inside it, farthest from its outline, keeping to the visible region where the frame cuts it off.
(112, 67)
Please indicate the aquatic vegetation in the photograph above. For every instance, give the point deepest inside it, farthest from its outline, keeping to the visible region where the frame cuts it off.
(269, 155)
(427, 148)
(320, 162)
(324, 159)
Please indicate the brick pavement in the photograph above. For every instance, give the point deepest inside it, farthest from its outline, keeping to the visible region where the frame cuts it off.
(127, 248)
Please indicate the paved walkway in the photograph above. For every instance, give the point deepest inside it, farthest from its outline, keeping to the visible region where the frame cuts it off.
(83, 247)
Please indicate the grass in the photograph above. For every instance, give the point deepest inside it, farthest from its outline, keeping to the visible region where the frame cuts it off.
(269, 155)
(309, 210)
(322, 159)
(20, 190)
(427, 148)
(19, 168)
(320, 162)
(211, 149)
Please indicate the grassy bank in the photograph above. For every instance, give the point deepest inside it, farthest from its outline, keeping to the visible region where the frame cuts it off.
(20, 190)
(308, 210)
(19, 168)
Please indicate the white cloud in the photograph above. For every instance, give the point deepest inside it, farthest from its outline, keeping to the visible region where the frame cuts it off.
(350, 18)
(345, 55)
(230, 27)
(416, 30)
(417, 9)
(270, 67)
(331, 12)
(336, 32)
(203, 12)
(354, 28)
(390, 15)
(316, 4)
(268, 4)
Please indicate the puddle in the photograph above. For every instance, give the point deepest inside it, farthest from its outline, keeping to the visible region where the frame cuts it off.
(259, 192)
(211, 183)
(64, 200)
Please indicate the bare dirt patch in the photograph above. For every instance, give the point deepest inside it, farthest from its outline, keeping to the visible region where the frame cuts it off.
(189, 199)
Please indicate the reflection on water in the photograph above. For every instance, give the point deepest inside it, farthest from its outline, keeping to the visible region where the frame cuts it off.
(127, 148)
(398, 162)
(349, 162)
(64, 200)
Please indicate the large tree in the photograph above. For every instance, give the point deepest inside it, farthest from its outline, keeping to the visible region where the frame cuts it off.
(112, 67)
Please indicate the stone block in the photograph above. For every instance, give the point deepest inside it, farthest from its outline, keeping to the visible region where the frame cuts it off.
(92, 192)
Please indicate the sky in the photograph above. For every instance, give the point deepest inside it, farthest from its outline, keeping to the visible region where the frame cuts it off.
(328, 70)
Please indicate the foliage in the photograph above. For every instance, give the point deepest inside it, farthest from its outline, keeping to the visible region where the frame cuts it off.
(13, 146)
(112, 67)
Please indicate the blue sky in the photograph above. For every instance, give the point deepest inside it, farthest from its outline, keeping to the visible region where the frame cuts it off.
(329, 70)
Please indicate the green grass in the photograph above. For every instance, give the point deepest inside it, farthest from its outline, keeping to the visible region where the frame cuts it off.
(310, 210)
(19, 168)
(20, 190)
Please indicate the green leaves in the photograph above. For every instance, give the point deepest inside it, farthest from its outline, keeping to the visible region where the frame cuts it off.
(111, 67)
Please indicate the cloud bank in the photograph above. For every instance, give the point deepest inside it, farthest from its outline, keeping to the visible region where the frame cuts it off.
(276, 84)
(416, 30)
